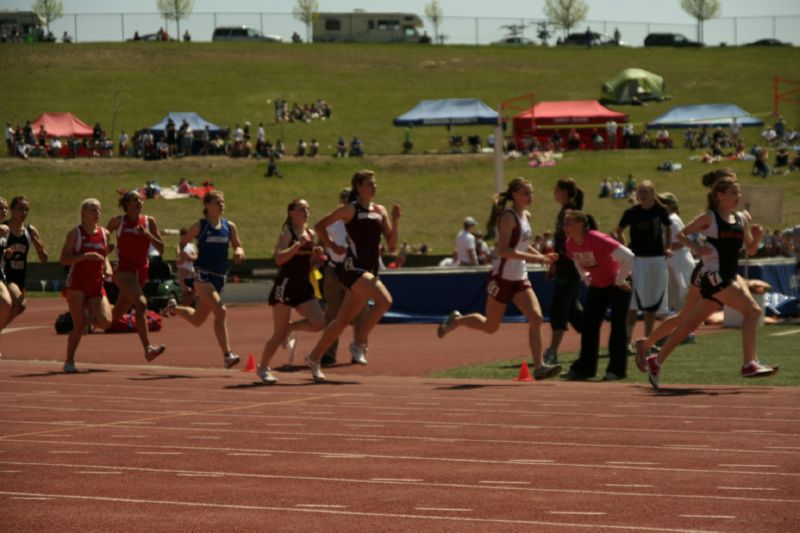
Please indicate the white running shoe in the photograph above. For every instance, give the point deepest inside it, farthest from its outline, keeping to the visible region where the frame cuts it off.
(69, 368)
(266, 376)
(448, 324)
(290, 343)
(316, 371)
(154, 351)
(359, 353)
(231, 359)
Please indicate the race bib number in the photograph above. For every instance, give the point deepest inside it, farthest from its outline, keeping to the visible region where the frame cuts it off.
(280, 290)
(493, 288)
(713, 278)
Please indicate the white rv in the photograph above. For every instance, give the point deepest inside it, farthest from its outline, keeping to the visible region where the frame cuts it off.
(365, 27)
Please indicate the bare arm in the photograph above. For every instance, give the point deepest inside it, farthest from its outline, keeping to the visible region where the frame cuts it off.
(41, 251)
(68, 255)
(345, 214)
(390, 229)
(284, 252)
(191, 235)
(151, 230)
(752, 235)
(238, 250)
(504, 247)
(701, 223)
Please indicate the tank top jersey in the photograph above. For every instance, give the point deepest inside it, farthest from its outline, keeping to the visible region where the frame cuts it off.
(299, 266)
(212, 245)
(514, 269)
(88, 273)
(364, 237)
(15, 267)
(727, 240)
(564, 265)
(132, 247)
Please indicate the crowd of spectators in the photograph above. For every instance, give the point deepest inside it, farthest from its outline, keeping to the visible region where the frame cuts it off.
(286, 112)
(780, 243)
(12, 33)
(24, 141)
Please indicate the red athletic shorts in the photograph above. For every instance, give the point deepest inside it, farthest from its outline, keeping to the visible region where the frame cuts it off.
(503, 290)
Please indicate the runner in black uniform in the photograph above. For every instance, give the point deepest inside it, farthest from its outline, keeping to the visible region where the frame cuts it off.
(292, 289)
(726, 232)
(365, 223)
(14, 262)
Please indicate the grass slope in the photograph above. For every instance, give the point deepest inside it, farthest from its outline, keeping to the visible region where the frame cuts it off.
(368, 85)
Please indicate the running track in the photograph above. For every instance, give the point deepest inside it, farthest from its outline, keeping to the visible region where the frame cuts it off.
(129, 447)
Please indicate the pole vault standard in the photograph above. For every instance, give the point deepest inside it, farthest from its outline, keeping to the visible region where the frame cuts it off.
(499, 134)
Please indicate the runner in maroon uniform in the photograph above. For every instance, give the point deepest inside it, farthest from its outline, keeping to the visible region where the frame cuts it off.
(365, 223)
(85, 252)
(135, 233)
(292, 289)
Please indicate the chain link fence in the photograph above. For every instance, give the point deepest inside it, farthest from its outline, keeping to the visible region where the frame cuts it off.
(88, 27)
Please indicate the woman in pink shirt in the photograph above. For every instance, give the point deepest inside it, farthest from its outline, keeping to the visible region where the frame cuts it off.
(603, 264)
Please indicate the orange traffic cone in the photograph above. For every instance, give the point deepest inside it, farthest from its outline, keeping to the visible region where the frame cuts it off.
(524, 373)
(251, 364)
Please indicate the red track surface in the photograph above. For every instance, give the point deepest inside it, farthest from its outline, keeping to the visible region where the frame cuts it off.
(127, 447)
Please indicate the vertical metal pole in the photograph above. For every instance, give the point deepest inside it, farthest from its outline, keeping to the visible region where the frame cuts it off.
(774, 26)
(75, 23)
(215, 20)
(122, 21)
(735, 31)
(477, 31)
(261, 16)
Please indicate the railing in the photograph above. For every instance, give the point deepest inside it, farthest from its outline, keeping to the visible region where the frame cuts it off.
(111, 27)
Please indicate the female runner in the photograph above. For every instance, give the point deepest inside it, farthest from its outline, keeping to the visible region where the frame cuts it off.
(215, 234)
(727, 232)
(5, 296)
(135, 234)
(292, 289)
(509, 281)
(365, 222)
(85, 252)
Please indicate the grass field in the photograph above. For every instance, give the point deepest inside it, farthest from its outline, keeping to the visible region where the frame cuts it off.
(367, 86)
(712, 360)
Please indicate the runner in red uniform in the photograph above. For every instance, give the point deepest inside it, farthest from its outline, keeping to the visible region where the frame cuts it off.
(135, 233)
(85, 252)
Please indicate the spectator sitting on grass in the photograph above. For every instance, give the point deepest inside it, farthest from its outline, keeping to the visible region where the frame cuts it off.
(356, 147)
(341, 148)
(301, 148)
(605, 189)
(313, 148)
(272, 169)
(760, 166)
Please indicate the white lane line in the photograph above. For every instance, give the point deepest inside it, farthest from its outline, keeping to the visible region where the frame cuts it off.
(343, 456)
(442, 426)
(444, 509)
(751, 431)
(724, 516)
(320, 506)
(783, 333)
(489, 482)
(235, 454)
(363, 439)
(211, 423)
(107, 473)
(686, 445)
(285, 438)
(395, 480)
(747, 488)
(783, 447)
(423, 403)
(204, 437)
(159, 453)
(364, 425)
(68, 452)
(633, 463)
(30, 498)
(209, 474)
(128, 436)
(211, 505)
(10, 471)
(752, 466)
(628, 485)
(531, 461)
(579, 513)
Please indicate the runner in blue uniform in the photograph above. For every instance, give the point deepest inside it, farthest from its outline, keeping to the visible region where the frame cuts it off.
(215, 235)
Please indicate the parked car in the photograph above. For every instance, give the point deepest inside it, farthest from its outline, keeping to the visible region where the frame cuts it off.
(598, 39)
(151, 37)
(768, 42)
(670, 39)
(514, 41)
(242, 33)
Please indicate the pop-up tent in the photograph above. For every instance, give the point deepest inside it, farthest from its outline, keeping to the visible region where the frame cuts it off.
(691, 116)
(634, 82)
(545, 118)
(62, 125)
(448, 112)
(196, 122)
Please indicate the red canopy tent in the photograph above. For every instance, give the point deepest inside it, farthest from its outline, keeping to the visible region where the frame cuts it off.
(586, 116)
(62, 125)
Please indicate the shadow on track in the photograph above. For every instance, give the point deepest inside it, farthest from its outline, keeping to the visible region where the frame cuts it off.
(677, 393)
(259, 385)
(155, 377)
(62, 373)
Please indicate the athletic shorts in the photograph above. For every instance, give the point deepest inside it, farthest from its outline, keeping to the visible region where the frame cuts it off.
(141, 274)
(503, 290)
(695, 279)
(711, 283)
(650, 277)
(90, 289)
(217, 280)
(291, 292)
(348, 273)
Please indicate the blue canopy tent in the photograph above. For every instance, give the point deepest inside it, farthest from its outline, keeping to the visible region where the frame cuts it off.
(691, 116)
(448, 112)
(196, 122)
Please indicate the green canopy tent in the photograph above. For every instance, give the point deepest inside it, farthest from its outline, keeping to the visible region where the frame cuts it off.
(634, 83)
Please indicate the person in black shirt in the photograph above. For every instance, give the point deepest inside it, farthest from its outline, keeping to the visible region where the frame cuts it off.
(650, 230)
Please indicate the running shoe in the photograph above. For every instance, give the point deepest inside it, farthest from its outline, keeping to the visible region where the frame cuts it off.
(265, 374)
(641, 356)
(69, 368)
(653, 369)
(290, 343)
(359, 353)
(169, 309)
(316, 371)
(327, 360)
(550, 356)
(759, 370)
(154, 351)
(546, 372)
(231, 359)
(448, 324)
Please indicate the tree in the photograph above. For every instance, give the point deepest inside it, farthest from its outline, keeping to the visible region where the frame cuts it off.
(175, 10)
(48, 10)
(566, 14)
(702, 10)
(433, 12)
(305, 11)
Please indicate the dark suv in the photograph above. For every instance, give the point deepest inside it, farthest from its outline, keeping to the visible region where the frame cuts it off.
(670, 39)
